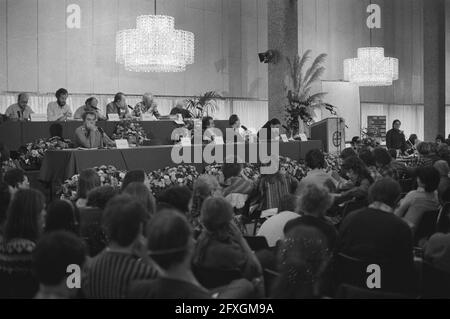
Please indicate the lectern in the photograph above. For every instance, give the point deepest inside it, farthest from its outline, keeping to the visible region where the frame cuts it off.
(331, 131)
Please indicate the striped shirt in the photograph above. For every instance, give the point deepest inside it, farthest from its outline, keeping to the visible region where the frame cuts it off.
(272, 188)
(109, 274)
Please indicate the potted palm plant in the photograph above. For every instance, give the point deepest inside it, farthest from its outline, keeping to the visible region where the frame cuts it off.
(204, 105)
(301, 101)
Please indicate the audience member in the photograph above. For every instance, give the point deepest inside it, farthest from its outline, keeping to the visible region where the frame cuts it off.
(204, 186)
(135, 176)
(16, 179)
(23, 227)
(143, 195)
(61, 215)
(375, 234)
(87, 181)
(383, 161)
(98, 197)
(272, 228)
(369, 160)
(178, 197)
(53, 254)
(315, 160)
(360, 177)
(221, 245)
(109, 274)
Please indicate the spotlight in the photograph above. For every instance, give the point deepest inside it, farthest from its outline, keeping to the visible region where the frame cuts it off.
(267, 57)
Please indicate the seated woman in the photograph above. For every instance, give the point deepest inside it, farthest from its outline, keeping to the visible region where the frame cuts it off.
(61, 215)
(425, 151)
(360, 177)
(23, 228)
(424, 199)
(88, 180)
(384, 164)
(221, 245)
(369, 160)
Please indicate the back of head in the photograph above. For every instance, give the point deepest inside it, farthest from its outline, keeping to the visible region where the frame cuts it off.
(14, 177)
(178, 197)
(5, 198)
(231, 169)
(61, 216)
(429, 177)
(288, 203)
(133, 176)
(367, 157)
(123, 219)
(169, 238)
(347, 152)
(24, 214)
(355, 164)
(216, 213)
(424, 148)
(386, 191)
(233, 119)
(54, 253)
(442, 167)
(140, 192)
(88, 180)
(314, 200)
(302, 259)
(99, 196)
(382, 156)
(315, 159)
(205, 185)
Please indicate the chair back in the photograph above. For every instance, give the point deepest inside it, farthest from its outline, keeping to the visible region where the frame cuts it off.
(443, 220)
(257, 243)
(435, 282)
(211, 278)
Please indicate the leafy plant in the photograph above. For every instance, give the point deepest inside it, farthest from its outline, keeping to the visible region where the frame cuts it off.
(299, 82)
(203, 105)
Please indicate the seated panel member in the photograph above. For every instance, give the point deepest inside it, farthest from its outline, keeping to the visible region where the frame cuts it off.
(19, 111)
(118, 106)
(89, 106)
(89, 135)
(59, 110)
(146, 106)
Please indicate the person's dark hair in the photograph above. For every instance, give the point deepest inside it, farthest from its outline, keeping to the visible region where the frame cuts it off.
(233, 119)
(169, 238)
(61, 215)
(288, 203)
(429, 176)
(89, 100)
(205, 122)
(355, 139)
(54, 253)
(177, 196)
(88, 180)
(396, 121)
(85, 114)
(61, 92)
(356, 165)
(367, 157)
(14, 177)
(385, 190)
(140, 192)
(99, 196)
(440, 138)
(231, 169)
(123, 218)
(347, 152)
(56, 130)
(118, 96)
(133, 176)
(424, 148)
(382, 156)
(273, 121)
(412, 138)
(21, 94)
(302, 260)
(315, 159)
(216, 213)
(393, 153)
(5, 198)
(24, 213)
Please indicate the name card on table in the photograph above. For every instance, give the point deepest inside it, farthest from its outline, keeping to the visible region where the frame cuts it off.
(113, 117)
(284, 138)
(185, 141)
(303, 137)
(122, 144)
(148, 117)
(38, 117)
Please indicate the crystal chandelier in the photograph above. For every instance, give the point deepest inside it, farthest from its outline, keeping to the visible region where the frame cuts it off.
(155, 45)
(371, 68)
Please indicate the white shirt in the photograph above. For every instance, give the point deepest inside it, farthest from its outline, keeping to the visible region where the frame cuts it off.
(272, 228)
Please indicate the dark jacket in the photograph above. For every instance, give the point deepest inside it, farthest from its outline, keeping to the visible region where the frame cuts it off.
(396, 139)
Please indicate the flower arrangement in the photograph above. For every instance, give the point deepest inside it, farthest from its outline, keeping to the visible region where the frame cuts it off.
(109, 175)
(250, 171)
(172, 176)
(7, 165)
(292, 167)
(369, 139)
(333, 163)
(32, 154)
(131, 130)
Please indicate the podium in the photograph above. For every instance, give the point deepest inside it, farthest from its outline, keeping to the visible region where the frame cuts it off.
(331, 131)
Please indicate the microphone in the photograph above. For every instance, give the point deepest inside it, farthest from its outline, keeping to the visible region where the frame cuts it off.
(129, 106)
(244, 128)
(100, 130)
